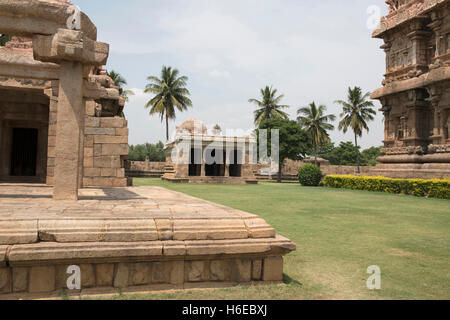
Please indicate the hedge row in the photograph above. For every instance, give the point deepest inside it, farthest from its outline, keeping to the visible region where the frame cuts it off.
(416, 187)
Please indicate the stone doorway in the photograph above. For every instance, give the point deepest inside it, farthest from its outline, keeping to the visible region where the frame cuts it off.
(24, 152)
(24, 142)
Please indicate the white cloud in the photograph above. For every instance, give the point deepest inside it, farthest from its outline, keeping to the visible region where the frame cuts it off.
(219, 74)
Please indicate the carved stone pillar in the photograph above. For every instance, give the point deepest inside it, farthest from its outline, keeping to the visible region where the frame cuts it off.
(75, 53)
(419, 39)
(435, 99)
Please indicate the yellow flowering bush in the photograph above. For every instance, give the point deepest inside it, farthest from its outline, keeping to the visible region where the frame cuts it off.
(435, 188)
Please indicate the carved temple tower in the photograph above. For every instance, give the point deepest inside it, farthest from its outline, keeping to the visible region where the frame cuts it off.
(416, 90)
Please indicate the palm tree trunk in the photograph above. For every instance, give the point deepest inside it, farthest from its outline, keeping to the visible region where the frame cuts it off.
(357, 153)
(167, 127)
(279, 172)
(315, 154)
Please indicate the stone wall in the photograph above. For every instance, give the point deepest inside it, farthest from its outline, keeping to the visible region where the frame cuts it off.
(145, 169)
(105, 149)
(141, 276)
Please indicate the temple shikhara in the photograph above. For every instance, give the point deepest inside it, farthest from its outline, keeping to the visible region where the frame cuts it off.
(60, 129)
(416, 90)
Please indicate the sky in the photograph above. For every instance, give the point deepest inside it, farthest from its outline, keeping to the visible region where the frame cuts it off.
(309, 50)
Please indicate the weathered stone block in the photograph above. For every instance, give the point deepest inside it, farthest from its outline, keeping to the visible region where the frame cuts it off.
(112, 122)
(256, 270)
(92, 122)
(195, 271)
(18, 231)
(89, 152)
(177, 272)
(88, 162)
(95, 131)
(108, 172)
(241, 270)
(97, 149)
(20, 279)
(220, 270)
(140, 273)
(89, 141)
(51, 153)
(122, 132)
(120, 173)
(87, 275)
(161, 272)
(52, 141)
(92, 172)
(5, 280)
(111, 139)
(114, 149)
(42, 279)
(104, 274)
(273, 269)
(121, 275)
(107, 162)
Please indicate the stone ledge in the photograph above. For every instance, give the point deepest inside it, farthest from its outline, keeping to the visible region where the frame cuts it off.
(18, 231)
(46, 252)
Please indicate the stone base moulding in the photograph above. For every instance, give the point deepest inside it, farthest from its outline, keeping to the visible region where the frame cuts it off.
(42, 268)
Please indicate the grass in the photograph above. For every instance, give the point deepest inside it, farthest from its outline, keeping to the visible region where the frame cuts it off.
(339, 233)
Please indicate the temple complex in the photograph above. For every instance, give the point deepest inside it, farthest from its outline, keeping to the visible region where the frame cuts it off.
(59, 128)
(194, 156)
(416, 90)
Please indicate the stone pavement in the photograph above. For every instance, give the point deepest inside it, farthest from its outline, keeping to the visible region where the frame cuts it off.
(137, 238)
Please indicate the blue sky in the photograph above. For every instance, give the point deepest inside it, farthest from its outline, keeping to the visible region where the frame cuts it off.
(309, 50)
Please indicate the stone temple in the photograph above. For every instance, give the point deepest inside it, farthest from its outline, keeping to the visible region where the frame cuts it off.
(59, 129)
(416, 90)
(195, 156)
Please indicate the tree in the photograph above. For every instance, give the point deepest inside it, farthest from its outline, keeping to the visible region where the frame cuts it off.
(4, 39)
(343, 155)
(154, 152)
(269, 107)
(369, 156)
(313, 119)
(294, 141)
(357, 112)
(170, 93)
(120, 82)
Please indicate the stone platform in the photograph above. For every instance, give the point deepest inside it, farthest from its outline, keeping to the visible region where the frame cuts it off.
(132, 239)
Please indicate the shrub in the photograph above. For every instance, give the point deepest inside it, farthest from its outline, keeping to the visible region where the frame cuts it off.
(435, 188)
(309, 175)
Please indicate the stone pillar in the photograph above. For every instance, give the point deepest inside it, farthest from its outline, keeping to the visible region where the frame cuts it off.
(75, 52)
(69, 129)
(227, 170)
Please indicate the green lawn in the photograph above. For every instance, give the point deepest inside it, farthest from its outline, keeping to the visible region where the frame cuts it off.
(339, 233)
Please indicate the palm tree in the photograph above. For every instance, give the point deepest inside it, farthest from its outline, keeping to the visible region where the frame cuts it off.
(357, 111)
(170, 92)
(313, 119)
(120, 82)
(269, 107)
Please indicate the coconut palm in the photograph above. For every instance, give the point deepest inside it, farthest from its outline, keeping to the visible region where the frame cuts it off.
(314, 120)
(170, 94)
(269, 107)
(357, 112)
(120, 82)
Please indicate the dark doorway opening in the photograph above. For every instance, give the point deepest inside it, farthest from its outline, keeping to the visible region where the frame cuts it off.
(24, 152)
(195, 166)
(235, 165)
(216, 169)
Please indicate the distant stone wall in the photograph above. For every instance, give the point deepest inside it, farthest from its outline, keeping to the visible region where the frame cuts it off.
(290, 170)
(145, 169)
